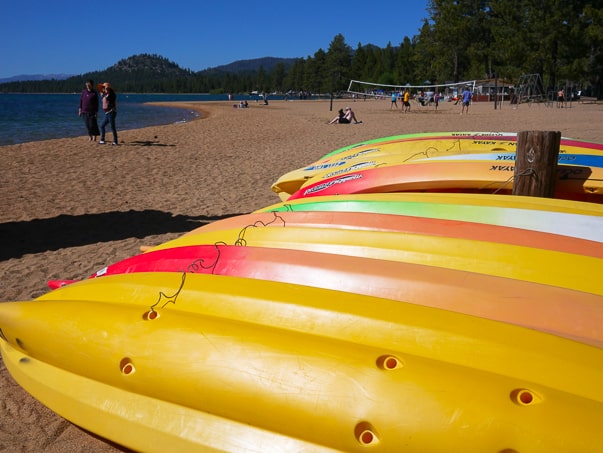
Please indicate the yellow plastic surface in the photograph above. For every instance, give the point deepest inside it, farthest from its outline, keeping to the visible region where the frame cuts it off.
(389, 152)
(472, 199)
(565, 270)
(235, 364)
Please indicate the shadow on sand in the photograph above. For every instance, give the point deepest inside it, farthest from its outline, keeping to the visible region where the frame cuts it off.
(41, 235)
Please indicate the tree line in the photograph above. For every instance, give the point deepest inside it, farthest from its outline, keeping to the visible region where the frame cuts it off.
(561, 40)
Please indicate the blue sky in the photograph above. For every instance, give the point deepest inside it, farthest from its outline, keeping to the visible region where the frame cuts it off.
(75, 37)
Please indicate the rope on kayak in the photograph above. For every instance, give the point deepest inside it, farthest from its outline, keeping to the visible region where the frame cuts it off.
(527, 172)
(168, 299)
(199, 263)
(241, 241)
(202, 264)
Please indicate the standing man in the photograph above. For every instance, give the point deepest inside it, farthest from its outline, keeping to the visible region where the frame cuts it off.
(89, 110)
(109, 100)
(466, 96)
(394, 100)
(560, 98)
(406, 101)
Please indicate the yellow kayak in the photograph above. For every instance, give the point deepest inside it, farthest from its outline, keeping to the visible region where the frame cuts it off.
(390, 152)
(568, 218)
(343, 220)
(185, 362)
(464, 199)
(400, 150)
(543, 266)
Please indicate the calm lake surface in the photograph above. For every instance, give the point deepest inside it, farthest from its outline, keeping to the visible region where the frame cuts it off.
(35, 117)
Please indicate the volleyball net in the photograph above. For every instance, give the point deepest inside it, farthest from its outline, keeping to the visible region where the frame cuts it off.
(361, 88)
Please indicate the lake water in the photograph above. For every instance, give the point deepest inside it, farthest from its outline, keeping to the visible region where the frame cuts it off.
(34, 117)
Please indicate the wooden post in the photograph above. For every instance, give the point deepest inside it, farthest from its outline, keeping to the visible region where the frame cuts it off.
(536, 160)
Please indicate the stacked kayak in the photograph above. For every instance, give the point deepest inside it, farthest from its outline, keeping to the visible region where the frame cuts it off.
(441, 163)
(378, 322)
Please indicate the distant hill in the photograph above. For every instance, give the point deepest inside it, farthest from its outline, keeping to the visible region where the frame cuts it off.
(160, 66)
(149, 73)
(148, 64)
(22, 77)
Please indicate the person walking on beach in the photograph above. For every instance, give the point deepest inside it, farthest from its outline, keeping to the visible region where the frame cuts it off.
(394, 101)
(406, 101)
(89, 110)
(109, 101)
(466, 97)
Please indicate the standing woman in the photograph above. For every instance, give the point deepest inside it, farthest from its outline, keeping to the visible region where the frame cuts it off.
(109, 101)
(89, 110)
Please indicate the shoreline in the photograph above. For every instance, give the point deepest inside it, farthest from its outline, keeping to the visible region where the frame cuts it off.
(205, 109)
(184, 105)
(39, 118)
(70, 206)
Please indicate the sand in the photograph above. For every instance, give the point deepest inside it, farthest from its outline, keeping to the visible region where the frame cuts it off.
(70, 206)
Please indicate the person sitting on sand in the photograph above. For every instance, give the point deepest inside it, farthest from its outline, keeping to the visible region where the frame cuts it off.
(340, 118)
(346, 117)
(351, 116)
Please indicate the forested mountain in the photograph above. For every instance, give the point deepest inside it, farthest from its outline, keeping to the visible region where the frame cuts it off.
(268, 63)
(147, 73)
(561, 40)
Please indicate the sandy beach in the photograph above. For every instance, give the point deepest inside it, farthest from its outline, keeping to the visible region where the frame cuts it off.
(70, 206)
